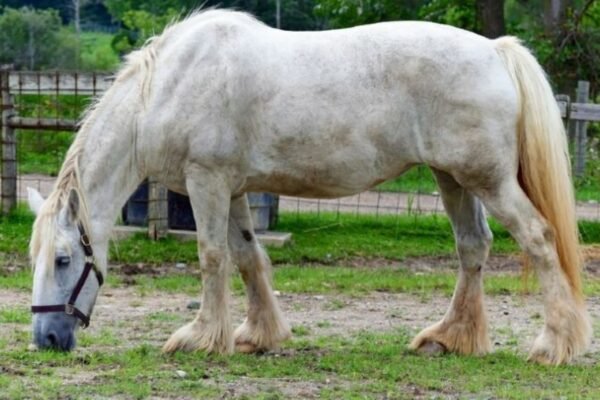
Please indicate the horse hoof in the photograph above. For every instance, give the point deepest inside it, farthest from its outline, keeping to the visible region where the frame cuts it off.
(432, 348)
(199, 337)
(542, 358)
(246, 348)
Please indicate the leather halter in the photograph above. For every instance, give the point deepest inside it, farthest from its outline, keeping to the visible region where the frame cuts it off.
(70, 308)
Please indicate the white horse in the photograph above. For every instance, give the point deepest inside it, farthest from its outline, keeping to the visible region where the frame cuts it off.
(220, 104)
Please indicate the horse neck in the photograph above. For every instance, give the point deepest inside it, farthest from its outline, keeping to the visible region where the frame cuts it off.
(108, 166)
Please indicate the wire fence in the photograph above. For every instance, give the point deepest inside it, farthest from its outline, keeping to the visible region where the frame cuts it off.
(41, 111)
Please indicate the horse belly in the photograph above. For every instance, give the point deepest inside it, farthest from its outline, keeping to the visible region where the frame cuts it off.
(312, 183)
(324, 169)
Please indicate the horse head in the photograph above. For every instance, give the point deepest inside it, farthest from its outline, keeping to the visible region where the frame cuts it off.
(64, 291)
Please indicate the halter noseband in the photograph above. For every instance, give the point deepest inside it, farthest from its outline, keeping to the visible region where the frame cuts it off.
(70, 308)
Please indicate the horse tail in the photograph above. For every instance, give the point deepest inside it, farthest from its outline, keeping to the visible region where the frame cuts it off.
(544, 164)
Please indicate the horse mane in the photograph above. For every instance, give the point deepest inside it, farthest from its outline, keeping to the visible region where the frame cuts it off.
(44, 227)
(141, 62)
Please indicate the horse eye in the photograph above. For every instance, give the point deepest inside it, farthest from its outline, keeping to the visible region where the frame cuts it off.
(63, 261)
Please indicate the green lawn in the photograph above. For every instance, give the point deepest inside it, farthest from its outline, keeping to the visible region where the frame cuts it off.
(296, 279)
(361, 366)
(416, 180)
(326, 238)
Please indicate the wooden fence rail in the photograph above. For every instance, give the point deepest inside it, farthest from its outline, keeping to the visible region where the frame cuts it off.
(92, 84)
(83, 83)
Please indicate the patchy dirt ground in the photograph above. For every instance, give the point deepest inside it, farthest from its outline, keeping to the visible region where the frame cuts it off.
(514, 319)
(135, 318)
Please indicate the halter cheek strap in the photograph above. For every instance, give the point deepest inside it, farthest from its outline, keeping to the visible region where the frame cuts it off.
(70, 308)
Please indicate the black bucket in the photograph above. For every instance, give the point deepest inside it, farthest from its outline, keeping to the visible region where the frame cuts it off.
(264, 209)
(135, 211)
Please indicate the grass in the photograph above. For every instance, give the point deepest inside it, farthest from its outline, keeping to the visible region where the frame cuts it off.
(20, 315)
(327, 238)
(416, 180)
(364, 365)
(349, 236)
(350, 281)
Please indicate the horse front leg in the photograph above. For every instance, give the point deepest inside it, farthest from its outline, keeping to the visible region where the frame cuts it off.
(211, 329)
(464, 328)
(264, 327)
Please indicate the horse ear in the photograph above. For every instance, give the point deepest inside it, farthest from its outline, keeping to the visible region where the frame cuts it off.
(73, 205)
(35, 200)
(70, 211)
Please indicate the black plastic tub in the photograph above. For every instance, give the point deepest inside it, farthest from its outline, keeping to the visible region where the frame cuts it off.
(263, 207)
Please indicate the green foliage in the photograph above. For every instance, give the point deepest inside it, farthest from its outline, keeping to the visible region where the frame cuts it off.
(142, 19)
(35, 39)
(146, 25)
(459, 13)
(588, 186)
(569, 54)
(346, 13)
(97, 53)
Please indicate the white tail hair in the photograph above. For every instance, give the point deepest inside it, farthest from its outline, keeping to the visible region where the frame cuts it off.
(544, 165)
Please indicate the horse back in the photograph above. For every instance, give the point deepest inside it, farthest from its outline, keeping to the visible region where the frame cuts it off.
(328, 113)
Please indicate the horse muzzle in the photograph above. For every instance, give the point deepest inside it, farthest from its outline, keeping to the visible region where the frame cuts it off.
(55, 331)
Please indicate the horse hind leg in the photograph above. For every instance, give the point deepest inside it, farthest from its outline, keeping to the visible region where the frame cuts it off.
(211, 329)
(463, 329)
(264, 327)
(567, 329)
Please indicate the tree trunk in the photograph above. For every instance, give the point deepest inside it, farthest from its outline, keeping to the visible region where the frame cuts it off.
(31, 46)
(555, 14)
(76, 17)
(490, 14)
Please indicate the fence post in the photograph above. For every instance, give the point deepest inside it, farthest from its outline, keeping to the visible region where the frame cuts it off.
(9, 148)
(583, 94)
(158, 211)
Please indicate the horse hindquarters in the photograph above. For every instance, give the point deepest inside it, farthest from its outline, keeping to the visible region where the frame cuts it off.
(539, 213)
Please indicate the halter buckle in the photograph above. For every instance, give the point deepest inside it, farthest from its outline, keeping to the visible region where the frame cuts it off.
(85, 240)
(69, 309)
